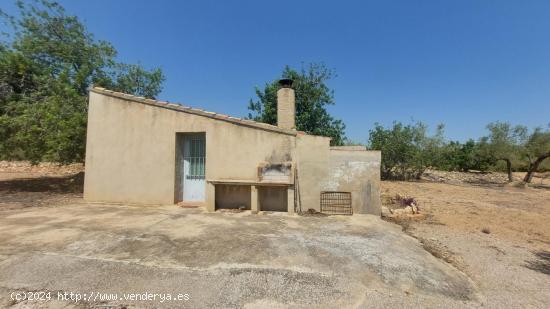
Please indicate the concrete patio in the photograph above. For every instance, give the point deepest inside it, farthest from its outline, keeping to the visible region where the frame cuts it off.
(221, 259)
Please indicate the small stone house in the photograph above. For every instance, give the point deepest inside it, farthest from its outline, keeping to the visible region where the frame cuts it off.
(144, 151)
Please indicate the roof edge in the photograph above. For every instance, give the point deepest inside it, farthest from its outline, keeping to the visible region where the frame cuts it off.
(194, 111)
(349, 148)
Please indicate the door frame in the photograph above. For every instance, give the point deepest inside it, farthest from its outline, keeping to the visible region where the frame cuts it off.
(179, 165)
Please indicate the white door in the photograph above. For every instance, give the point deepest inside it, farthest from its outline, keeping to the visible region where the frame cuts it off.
(194, 165)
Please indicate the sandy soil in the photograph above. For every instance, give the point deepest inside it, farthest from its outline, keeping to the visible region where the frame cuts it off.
(499, 235)
(22, 190)
(518, 215)
(24, 185)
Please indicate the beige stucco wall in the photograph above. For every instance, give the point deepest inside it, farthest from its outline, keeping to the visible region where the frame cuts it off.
(356, 171)
(130, 153)
(131, 157)
(312, 153)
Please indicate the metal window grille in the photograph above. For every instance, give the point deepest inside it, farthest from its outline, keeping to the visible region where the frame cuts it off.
(196, 159)
(336, 203)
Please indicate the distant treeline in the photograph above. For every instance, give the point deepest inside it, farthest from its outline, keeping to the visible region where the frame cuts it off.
(408, 150)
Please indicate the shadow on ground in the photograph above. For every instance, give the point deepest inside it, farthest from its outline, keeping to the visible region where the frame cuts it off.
(540, 186)
(541, 263)
(63, 184)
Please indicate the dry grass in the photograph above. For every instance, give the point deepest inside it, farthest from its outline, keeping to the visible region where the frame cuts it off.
(516, 214)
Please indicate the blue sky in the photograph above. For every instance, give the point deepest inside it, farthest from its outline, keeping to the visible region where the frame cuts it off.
(461, 63)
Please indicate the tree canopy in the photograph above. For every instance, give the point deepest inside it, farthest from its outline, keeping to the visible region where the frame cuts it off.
(47, 63)
(312, 97)
(407, 150)
(505, 143)
(537, 149)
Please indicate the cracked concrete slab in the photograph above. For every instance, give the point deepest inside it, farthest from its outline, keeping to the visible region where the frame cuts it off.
(222, 259)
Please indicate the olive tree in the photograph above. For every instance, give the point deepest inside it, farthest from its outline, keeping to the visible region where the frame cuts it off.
(537, 149)
(506, 143)
(407, 150)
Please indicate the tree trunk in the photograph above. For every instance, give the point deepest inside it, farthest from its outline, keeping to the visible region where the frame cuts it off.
(509, 169)
(534, 166)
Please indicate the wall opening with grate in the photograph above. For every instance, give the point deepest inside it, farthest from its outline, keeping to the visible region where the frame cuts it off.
(336, 203)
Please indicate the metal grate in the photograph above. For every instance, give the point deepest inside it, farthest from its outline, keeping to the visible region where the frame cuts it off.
(336, 203)
(196, 158)
(196, 167)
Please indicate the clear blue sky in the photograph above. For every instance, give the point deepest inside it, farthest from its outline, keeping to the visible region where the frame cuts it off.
(463, 63)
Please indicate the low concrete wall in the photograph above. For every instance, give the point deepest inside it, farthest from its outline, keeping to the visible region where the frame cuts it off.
(358, 172)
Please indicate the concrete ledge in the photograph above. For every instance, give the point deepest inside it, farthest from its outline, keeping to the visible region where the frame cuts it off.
(247, 182)
(353, 148)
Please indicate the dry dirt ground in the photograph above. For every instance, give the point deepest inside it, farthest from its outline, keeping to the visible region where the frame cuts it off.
(498, 234)
(52, 241)
(24, 185)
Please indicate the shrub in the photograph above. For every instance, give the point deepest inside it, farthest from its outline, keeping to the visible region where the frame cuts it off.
(407, 150)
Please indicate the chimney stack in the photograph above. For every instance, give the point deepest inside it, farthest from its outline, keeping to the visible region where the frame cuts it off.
(286, 105)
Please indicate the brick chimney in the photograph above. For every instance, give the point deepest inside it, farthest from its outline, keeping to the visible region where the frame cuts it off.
(286, 106)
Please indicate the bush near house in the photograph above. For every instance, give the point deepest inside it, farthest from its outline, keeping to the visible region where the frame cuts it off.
(407, 150)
